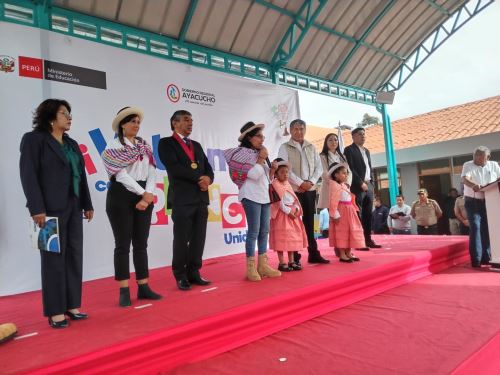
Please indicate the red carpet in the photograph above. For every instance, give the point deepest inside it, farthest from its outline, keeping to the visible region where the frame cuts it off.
(446, 323)
(195, 325)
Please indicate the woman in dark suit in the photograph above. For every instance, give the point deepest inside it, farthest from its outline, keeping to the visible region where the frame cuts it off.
(55, 184)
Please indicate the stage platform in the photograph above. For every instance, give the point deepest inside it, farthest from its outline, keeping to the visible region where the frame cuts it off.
(185, 327)
(442, 324)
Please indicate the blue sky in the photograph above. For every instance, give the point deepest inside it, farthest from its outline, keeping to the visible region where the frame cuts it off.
(464, 69)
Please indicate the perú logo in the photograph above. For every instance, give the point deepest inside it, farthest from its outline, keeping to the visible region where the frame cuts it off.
(173, 93)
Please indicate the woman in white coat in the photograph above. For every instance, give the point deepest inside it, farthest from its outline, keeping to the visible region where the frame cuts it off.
(330, 154)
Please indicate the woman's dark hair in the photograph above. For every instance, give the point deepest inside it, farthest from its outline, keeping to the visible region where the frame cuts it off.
(334, 173)
(124, 121)
(246, 140)
(325, 149)
(47, 112)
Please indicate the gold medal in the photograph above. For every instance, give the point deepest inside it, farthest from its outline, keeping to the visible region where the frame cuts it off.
(194, 165)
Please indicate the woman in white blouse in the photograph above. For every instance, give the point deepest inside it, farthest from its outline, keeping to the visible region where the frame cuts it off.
(330, 154)
(129, 161)
(248, 162)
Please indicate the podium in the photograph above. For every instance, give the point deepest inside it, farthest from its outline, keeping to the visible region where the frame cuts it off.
(492, 196)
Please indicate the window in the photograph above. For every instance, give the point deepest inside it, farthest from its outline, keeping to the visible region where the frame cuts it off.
(434, 167)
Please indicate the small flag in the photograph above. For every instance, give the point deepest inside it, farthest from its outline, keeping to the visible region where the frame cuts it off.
(341, 139)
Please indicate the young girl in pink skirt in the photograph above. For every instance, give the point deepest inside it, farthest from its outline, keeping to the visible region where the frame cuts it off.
(287, 232)
(345, 231)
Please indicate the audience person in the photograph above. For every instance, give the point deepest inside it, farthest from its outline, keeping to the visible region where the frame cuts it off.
(426, 213)
(399, 219)
(379, 218)
(449, 212)
(461, 215)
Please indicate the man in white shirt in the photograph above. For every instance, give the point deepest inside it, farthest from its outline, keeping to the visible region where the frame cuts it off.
(399, 219)
(475, 174)
(305, 171)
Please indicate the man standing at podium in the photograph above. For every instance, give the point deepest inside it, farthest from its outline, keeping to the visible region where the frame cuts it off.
(475, 174)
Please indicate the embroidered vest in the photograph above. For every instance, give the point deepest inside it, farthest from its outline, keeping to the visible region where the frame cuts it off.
(295, 158)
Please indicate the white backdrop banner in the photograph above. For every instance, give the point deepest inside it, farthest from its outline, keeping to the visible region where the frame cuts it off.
(98, 80)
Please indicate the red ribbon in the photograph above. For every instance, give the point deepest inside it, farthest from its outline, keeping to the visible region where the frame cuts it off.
(188, 150)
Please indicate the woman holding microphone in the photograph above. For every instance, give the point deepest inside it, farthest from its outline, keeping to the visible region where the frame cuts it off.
(250, 172)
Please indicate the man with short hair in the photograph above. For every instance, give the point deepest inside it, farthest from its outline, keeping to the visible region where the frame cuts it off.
(379, 217)
(358, 158)
(475, 174)
(449, 212)
(426, 213)
(305, 171)
(399, 219)
(189, 175)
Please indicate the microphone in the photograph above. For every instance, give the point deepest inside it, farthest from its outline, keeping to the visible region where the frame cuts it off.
(268, 162)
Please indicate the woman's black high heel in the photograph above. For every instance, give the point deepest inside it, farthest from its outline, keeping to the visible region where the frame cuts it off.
(77, 316)
(62, 324)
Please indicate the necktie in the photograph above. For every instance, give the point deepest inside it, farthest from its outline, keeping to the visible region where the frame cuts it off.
(187, 141)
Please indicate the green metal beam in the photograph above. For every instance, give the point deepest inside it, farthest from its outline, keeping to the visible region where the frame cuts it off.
(392, 168)
(187, 20)
(113, 34)
(301, 81)
(436, 38)
(438, 7)
(328, 30)
(367, 32)
(295, 34)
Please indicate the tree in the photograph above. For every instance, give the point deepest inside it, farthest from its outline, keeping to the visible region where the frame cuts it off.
(369, 120)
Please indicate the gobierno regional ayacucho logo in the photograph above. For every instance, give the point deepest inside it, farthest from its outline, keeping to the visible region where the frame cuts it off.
(173, 93)
(189, 95)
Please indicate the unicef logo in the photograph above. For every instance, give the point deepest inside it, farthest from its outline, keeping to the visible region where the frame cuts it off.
(173, 93)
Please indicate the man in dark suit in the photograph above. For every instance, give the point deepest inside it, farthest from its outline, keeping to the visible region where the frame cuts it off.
(358, 158)
(189, 175)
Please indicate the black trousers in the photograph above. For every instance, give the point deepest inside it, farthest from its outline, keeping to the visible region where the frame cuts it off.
(62, 273)
(129, 225)
(364, 200)
(429, 230)
(307, 200)
(190, 229)
(464, 230)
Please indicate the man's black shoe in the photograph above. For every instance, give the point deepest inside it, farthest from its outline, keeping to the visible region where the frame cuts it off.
(373, 245)
(317, 259)
(198, 280)
(183, 284)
